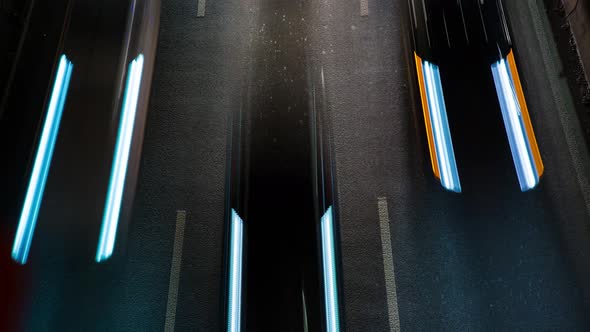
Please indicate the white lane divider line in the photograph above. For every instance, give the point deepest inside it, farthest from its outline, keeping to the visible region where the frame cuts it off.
(200, 8)
(388, 265)
(175, 271)
(364, 7)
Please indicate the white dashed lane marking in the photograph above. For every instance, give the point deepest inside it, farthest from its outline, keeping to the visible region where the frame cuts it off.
(200, 8)
(364, 7)
(175, 271)
(388, 265)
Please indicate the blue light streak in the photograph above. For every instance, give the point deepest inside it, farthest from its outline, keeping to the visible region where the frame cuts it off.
(329, 268)
(112, 210)
(235, 273)
(449, 175)
(34, 194)
(520, 147)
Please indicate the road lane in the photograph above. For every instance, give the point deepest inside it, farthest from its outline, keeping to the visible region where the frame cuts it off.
(489, 258)
(282, 256)
(197, 85)
(194, 89)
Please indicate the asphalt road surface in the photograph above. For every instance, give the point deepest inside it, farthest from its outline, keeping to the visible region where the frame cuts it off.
(414, 256)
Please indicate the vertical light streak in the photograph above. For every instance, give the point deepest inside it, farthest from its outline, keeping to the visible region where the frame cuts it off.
(329, 269)
(515, 128)
(120, 160)
(42, 162)
(449, 175)
(235, 273)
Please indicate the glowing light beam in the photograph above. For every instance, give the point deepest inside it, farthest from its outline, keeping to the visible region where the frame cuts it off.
(42, 162)
(235, 273)
(520, 146)
(449, 175)
(112, 209)
(329, 268)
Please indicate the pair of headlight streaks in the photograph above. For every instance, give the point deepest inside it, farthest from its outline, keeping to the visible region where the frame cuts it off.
(521, 137)
(328, 265)
(42, 162)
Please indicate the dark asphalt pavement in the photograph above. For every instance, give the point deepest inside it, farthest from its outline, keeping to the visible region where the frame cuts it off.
(492, 258)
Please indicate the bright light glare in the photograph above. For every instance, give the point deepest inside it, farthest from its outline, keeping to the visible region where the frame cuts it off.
(514, 124)
(329, 267)
(120, 159)
(235, 273)
(445, 154)
(34, 194)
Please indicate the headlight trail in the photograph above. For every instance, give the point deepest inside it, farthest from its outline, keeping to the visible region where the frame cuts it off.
(235, 273)
(116, 187)
(437, 125)
(42, 162)
(329, 269)
(520, 136)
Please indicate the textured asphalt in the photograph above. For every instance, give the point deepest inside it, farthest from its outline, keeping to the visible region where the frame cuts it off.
(492, 258)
